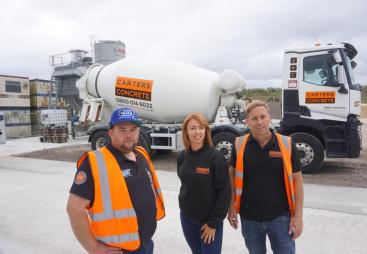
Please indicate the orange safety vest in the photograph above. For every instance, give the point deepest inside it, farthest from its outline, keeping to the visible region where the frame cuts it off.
(285, 146)
(112, 216)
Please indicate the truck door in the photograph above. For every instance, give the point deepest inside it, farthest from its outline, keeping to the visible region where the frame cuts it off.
(323, 87)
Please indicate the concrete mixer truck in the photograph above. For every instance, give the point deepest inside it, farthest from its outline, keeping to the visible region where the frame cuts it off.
(320, 101)
(162, 92)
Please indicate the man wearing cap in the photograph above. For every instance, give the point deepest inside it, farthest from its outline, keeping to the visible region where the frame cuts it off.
(115, 200)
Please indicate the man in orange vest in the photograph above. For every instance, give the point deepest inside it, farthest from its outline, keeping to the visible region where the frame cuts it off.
(267, 185)
(115, 200)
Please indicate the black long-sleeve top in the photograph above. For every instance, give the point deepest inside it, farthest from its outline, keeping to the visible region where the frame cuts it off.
(205, 191)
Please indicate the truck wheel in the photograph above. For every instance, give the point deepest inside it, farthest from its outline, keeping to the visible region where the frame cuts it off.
(144, 141)
(223, 142)
(310, 150)
(99, 139)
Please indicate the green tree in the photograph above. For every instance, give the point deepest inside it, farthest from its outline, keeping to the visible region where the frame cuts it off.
(268, 94)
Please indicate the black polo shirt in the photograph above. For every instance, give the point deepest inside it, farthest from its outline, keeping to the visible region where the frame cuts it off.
(205, 191)
(138, 182)
(264, 194)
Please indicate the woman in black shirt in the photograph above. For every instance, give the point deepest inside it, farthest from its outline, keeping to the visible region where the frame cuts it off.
(205, 191)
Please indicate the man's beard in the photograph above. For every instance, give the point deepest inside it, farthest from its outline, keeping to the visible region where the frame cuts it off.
(125, 149)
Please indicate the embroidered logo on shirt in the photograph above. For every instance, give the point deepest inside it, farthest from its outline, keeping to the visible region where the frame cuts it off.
(275, 154)
(80, 178)
(203, 171)
(126, 172)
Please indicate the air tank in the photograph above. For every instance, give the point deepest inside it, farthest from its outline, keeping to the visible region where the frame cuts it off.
(159, 90)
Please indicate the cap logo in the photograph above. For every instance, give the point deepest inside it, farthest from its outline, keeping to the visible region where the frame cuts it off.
(125, 113)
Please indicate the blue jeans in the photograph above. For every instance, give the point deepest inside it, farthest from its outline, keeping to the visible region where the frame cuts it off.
(254, 233)
(146, 248)
(192, 232)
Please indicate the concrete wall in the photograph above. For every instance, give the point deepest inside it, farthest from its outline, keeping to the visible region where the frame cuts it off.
(275, 109)
(364, 111)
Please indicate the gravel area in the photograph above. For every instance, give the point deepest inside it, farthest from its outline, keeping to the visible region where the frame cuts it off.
(337, 172)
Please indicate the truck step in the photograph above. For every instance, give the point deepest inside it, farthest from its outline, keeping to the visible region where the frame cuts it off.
(336, 140)
(334, 127)
(336, 155)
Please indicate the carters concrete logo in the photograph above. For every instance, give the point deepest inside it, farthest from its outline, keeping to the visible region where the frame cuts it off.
(203, 171)
(80, 178)
(320, 97)
(140, 89)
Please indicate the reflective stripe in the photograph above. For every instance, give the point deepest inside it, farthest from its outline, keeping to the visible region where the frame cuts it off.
(105, 187)
(158, 190)
(123, 213)
(239, 143)
(239, 174)
(290, 178)
(293, 199)
(108, 213)
(238, 191)
(119, 238)
(285, 142)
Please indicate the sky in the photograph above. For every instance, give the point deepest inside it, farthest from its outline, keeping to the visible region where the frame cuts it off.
(247, 36)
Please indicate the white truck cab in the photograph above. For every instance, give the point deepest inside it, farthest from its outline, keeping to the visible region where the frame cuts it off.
(321, 103)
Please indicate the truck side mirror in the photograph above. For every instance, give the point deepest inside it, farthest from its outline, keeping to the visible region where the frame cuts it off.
(342, 89)
(354, 64)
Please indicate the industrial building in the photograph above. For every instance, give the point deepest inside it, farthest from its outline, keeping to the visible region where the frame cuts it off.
(22, 99)
(42, 97)
(15, 104)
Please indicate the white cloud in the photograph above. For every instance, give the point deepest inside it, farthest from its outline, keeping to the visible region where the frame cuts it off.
(247, 36)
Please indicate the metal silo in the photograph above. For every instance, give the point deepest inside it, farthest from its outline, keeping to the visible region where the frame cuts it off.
(106, 52)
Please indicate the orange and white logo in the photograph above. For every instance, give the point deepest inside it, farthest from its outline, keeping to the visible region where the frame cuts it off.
(80, 178)
(203, 171)
(275, 154)
(320, 97)
(134, 88)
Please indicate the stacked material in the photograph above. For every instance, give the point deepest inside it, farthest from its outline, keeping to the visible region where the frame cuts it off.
(55, 126)
(55, 134)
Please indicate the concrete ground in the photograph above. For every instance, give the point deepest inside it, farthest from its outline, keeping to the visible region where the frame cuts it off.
(33, 219)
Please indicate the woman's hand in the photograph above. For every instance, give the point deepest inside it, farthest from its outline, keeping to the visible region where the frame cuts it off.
(208, 234)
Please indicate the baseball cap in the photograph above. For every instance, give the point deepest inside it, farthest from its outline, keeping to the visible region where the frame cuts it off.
(124, 115)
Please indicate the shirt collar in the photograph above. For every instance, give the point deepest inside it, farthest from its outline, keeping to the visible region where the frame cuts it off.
(273, 140)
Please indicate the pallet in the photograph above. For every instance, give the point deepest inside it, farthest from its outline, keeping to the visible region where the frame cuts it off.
(54, 134)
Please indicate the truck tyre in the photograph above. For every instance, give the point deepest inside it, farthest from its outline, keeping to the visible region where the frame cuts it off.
(223, 142)
(99, 139)
(144, 141)
(310, 150)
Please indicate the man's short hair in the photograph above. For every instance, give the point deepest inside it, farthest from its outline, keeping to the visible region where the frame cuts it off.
(255, 104)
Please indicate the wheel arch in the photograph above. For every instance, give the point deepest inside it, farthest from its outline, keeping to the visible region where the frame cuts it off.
(293, 125)
(95, 130)
(226, 128)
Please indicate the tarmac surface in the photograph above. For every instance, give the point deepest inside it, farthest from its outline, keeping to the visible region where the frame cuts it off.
(33, 219)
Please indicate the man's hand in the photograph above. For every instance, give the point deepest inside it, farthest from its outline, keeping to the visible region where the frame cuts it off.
(295, 227)
(208, 234)
(232, 217)
(101, 248)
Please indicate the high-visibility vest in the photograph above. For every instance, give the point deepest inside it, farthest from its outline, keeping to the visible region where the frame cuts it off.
(112, 216)
(285, 146)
